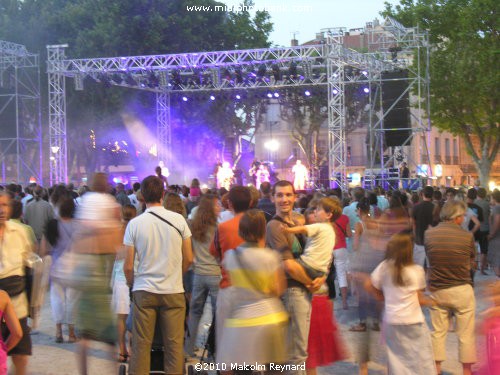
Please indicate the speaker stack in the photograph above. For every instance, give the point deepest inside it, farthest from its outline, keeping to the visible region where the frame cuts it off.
(397, 124)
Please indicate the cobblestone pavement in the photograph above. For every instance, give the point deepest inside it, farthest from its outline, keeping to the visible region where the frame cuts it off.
(60, 359)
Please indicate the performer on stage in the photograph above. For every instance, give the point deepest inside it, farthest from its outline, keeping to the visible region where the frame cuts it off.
(163, 177)
(404, 174)
(225, 176)
(300, 175)
(252, 172)
(262, 175)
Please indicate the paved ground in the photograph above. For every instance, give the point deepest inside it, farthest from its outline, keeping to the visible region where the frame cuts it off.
(60, 359)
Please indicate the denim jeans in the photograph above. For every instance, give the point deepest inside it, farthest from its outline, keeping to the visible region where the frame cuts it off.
(298, 304)
(203, 285)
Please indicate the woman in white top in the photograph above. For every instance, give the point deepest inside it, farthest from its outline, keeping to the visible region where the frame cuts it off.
(400, 282)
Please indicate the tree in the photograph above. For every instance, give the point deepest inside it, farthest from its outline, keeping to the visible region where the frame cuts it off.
(464, 69)
(306, 114)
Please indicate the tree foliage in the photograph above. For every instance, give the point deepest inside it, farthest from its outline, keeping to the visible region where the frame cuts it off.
(464, 69)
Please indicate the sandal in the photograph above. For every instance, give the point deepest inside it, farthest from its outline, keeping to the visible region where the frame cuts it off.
(361, 327)
(122, 358)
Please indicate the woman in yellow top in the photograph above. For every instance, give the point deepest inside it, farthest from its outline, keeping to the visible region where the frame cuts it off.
(256, 328)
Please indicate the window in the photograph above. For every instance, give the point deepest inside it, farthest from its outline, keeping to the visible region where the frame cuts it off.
(447, 151)
(437, 150)
(455, 151)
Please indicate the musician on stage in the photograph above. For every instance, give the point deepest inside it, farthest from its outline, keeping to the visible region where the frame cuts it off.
(225, 176)
(300, 175)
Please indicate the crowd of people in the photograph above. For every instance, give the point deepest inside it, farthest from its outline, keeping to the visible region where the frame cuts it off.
(137, 264)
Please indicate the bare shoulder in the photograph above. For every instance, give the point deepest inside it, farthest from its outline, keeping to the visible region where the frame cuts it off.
(4, 299)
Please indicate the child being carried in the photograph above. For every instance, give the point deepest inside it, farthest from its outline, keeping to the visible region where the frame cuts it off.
(318, 253)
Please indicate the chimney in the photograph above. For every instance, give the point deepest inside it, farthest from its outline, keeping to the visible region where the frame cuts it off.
(294, 42)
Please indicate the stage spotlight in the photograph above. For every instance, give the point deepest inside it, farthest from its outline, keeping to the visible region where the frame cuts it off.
(276, 72)
(364, 72)
(129, 80)
(185, 99)
(269, 95)
(238, 96)
(153, 80)
(117, 78)
(276, 94)
(212, 97)
(366, 90)
(307, 93)
(261, 72)
(103, 77)
(335, 91)
(292, 70)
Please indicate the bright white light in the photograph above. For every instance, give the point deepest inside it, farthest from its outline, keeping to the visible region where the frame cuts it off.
(335, 91)
(272, 145)
(364, 72)
(492, 185)
(212, 97)
(54, 149)
(184, 99)
(366, 90)
(238, 96)
(307, 93)
(276, 94)
(269, 95)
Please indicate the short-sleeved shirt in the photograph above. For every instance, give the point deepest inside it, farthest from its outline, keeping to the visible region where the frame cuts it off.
(351, 212)
(340, 226)
(319, 246)
(401, 302)
(450, 250)
(485, 207)
(422, 216)
(15, 250)
(286, 244)
(226, 238)
(158, 250)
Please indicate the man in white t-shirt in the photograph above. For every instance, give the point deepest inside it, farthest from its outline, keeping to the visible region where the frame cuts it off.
(158, 253)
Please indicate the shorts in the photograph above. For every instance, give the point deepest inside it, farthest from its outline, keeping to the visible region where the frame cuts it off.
(482, 239)
(24, 346)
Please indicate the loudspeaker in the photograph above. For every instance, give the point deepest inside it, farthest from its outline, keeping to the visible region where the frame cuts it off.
(397, 124)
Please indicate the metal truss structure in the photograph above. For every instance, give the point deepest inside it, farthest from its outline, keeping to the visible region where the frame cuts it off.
(330, 65)
(57, 115)
(20, 114)
(406, 48)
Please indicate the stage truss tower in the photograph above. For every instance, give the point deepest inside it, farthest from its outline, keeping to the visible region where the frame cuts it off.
(408, 49)
(20, 115)
(329, 65)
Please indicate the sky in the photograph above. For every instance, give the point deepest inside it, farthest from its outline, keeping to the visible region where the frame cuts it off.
(305, 18)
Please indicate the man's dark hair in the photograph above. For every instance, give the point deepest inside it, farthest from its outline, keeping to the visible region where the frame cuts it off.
(437, 195)
(481, 192)
(152, 189)
(16, 209)
(265, 188)
(451, 191)
(136, 186)
(472, 193)
(282, 183)
(358, 193)
(240, 198)
(428, 192)
(67, 207)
